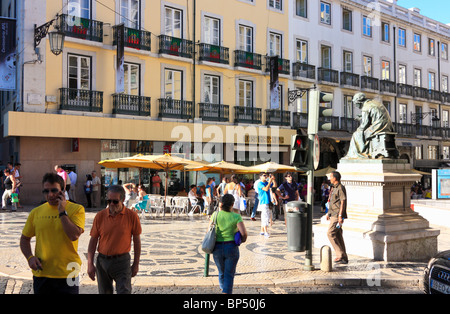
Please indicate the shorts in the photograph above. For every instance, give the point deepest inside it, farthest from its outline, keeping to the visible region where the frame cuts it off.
(265, 214)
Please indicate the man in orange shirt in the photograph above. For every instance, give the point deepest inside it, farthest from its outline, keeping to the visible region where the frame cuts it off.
(113, 229)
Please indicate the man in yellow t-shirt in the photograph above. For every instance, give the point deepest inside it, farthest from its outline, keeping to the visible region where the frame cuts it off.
(57, 225)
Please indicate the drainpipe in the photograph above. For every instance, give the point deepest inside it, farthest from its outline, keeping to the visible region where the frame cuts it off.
(395, 76)
(193, 61)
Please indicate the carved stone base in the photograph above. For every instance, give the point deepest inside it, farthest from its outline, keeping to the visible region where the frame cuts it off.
(381, 224)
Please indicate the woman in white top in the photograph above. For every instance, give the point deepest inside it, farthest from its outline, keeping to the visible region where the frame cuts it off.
(235, 189)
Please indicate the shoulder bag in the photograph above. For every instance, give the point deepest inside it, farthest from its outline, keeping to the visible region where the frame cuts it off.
(209, 241)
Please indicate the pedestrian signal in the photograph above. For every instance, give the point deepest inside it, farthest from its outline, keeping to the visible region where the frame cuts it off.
(299, 151)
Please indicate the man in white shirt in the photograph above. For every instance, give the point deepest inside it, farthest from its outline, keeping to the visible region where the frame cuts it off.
(73, 179)
(96, 184)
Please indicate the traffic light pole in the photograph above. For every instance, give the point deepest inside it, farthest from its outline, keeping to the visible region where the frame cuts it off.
(310, 200)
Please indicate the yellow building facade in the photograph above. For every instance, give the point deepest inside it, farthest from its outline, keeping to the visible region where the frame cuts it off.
(196, 82)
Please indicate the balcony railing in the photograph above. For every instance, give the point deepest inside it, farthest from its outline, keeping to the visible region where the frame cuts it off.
(387, 87)
(300, 120)
(368, 82)
(81, 100)
(284, 66)
(328, 75)
(174, 108)
(304, 70)
(82, 28)
(131, 105)
(175, 46)
(404, 89)
(247, 59)
(420, 92)
(349, 124)
(247, 115)
(349, 79)
(278, 117)
(214, 53)
(134, 38)
(434, 95)
(446, 97)
(214, 112)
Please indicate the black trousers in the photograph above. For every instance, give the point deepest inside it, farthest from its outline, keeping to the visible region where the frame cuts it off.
(45, 285)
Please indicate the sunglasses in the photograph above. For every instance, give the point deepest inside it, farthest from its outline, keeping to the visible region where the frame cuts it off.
(115, 202)
(54, 191)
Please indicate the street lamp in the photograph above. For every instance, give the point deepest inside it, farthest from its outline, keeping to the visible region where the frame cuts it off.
(56, 38)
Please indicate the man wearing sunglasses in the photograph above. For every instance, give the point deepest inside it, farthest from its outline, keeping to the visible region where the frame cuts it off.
(113, 230)
(57, 225)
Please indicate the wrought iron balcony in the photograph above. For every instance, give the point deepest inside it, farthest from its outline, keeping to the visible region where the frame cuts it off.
(81, 100)
(304, 70)
(175, 46)
(434, 95)
(349, 124)
(284, 66)
(328, 75)
(404, 89)
(420, 92)
(299, 120)
(278, 117)
(131, 105)
(387, 87)
(247, 59)
(82, 28)
(214, 53)
(174, 108)
(247, 115)
(214, 112)
(349, 79)
(134, 38)
(368, 82)
(446, 97)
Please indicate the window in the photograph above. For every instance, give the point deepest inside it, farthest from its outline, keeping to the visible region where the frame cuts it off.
(129, 13)
(402, 74)
(445, 118)
(301, 8)
(433, 152)
(275, 45)
(367, 26)
(445, 83)
(431, 80)
(79, 72)
(302, 51)
(445, 152)
(347, 20)
(385, 70)
(173, 86)
(79, 8)
(173, 23)
(418, 152)
(387, 104)
(348, 106)
(417, 77)
(348, 62)
(417, 43)
(444, 51)
(431, 47)
(276, 4)
(325, 54)
(245, 38)
(325, 13)
(367, 62)
(211, 89)
(402, 37)
(211, 31)
(385, 32)
(402, 114)
(132, 78)
(245, 93)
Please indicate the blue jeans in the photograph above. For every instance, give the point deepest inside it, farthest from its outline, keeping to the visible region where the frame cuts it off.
(226, 256)
(255, 207)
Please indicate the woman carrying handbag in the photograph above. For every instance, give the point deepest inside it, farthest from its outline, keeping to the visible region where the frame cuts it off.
(229, 226)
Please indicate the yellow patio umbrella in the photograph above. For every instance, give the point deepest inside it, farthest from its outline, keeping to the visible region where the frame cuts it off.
(271, 167)
(323, 172)
(221, 167)
(165, 162)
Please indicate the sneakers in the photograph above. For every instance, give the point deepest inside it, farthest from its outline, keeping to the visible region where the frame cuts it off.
(266, 235)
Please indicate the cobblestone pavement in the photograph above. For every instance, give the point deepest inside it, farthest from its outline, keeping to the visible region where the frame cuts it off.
(172, 261)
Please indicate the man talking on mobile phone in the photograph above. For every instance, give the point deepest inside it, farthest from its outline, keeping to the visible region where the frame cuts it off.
(57, 225)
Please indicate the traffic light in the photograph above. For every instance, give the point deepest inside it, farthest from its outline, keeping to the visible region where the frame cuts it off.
(299, 151)
(317, 115)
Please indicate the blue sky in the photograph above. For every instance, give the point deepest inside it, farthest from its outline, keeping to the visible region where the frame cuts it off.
(438, 10)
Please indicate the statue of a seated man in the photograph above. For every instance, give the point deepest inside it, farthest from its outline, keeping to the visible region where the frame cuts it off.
(375, 124)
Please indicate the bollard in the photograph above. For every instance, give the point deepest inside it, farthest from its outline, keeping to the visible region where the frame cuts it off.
(206, 270)
(325, 258)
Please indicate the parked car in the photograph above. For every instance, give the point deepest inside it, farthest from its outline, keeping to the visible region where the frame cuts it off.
(437, 274)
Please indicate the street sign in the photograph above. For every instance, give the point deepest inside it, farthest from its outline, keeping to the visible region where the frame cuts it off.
(316, 157)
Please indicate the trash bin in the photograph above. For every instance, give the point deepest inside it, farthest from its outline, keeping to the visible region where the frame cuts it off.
(296, 222)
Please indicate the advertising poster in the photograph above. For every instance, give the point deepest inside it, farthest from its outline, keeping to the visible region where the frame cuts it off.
(120, 72)
(274, 97)
(7, 54)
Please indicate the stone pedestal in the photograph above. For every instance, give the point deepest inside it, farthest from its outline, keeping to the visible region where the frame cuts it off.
(381, 224)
